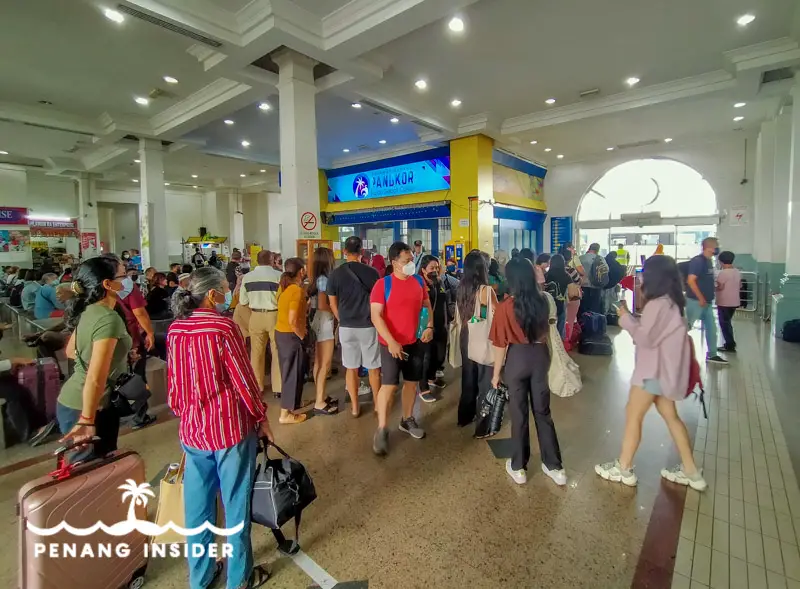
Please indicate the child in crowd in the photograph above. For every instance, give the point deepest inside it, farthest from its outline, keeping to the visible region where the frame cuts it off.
(729, 284)
(660, 375)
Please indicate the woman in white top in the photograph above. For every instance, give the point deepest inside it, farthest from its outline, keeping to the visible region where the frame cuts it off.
(573, 266)
(322, 326)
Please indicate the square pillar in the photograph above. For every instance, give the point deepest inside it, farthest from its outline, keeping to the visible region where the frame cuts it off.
(88, 221)
(472, 192)
(153, 205)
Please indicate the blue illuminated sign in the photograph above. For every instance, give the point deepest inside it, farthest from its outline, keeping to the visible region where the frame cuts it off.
(409, 178)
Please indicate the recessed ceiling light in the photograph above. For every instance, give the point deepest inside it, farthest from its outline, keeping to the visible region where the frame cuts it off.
(265, 106)
(262, 171)
(3, 153)
(382, 141)
(114, 15)
(141, 100)
(560, 156)
(550, 101)
(455, 103)
(346, 150)
(609, 149)
(548, 149)
(394, 120)
(166, 183)
(739, 104)
(135, 180)
(456, 25)
(668, 140)
(421, 84)
(632, 81)
(195, 186)
(170, 80)
(137, 161)
(242, 175)
(534, 142)
(356, 105)
(745, 20)
(194, 175)
(737, 119)
(228, 121)
(245, 143)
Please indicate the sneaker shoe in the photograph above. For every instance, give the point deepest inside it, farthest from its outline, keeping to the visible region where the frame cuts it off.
(439, 383)
(717, 360)
(559, 476)
(380, 443)
(726, 350)
(426, 396)
(364, 389)
(612, 471)
(41, 434)
(411, 427)
(676, 475)
(520, 476)
(146, 420)
(440, 374)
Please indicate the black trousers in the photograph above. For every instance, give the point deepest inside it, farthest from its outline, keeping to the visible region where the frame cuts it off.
(725, 315)
(474, 378)
(435, 353)
(526, 377)
(292, 360)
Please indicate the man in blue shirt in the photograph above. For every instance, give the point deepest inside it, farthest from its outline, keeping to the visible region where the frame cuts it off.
(46, 301)
(700, 296)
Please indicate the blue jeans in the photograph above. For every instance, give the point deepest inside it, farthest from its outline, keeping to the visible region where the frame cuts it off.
(706, 314)
(229, 472)
(106, 427)
(561, 308)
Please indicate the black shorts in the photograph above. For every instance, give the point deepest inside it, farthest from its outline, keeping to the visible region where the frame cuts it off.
(411, 369)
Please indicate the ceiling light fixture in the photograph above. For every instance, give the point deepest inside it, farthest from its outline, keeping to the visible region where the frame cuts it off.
(737, 119)
(265, 106)
(609, 149)
(245, 143)
(739, 104)
(455, 103)
(745, 20)
(47, 218)
(421, 84)
(534, 142)
(356, 105)
(548, 149)
(228, 121)
(194, 175)
(394, 120)
(135, 180)
(263, 171)
(346, 150)
(137, 161)
(456, 25)
(668, 140)
(382, 141)
(113, 15)
(632, 81)
(560, 156)
(141, 100)
(166, 183)
(242, 175)
(3, 153)
(550, 101)
(170, 80)
(195, 186)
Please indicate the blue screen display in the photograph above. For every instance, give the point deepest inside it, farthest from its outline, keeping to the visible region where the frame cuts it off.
(423, 176)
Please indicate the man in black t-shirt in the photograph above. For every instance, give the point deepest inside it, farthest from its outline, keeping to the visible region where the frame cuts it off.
(349, 288)
(700, 296)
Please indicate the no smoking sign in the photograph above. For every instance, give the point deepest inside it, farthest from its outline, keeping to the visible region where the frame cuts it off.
(308, 221)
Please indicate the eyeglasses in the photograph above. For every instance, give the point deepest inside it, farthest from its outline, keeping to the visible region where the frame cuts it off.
(124, 276)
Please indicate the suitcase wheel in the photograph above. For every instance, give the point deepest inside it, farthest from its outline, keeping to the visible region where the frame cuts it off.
(137, 581)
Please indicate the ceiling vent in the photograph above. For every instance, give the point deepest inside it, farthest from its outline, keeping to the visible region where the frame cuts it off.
(47, 127)
(364, 147)
(381, 108)
(589, 93)
(778, 75)
(168, 25)
(428, 126)
(646, 143)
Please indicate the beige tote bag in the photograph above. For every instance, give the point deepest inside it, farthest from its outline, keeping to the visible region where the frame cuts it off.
(454, 342)
(564, 376)
(480, 348)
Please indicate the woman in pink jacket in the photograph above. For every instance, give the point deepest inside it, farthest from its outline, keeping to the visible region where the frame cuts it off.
(660, 375)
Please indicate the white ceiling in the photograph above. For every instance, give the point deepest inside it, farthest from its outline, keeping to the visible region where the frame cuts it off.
(321, 7)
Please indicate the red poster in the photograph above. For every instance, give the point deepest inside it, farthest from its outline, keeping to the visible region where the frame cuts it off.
(88, 241)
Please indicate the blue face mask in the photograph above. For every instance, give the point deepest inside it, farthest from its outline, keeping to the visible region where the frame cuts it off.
(127, 288)
(451, 268)
(222, 307)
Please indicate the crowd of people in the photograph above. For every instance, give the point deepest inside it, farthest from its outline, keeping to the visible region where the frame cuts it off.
(393, 323)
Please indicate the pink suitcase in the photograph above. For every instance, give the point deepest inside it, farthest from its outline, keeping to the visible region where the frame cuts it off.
(82, 496)
(43, 380)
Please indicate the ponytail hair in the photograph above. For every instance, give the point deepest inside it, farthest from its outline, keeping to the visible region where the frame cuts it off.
(202, 280)
(87, 287)
(292, 268)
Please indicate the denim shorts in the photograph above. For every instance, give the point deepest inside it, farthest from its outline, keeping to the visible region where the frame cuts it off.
(652, 386)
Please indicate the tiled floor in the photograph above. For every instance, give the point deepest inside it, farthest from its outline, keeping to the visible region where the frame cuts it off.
(441, 512)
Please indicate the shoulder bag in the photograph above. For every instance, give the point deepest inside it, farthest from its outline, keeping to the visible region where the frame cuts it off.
(564, 376)
(480, 346)
(454, 342)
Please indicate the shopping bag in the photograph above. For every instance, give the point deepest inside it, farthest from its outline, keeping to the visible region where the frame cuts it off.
(564, 375)
(491, 406)
(480, 347)
(454, 342)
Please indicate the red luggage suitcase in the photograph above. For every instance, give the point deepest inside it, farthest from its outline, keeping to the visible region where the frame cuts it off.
(81, 496)
(43, 380)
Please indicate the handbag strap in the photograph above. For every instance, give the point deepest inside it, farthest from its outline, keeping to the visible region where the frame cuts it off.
(289, 547)
(266, 444)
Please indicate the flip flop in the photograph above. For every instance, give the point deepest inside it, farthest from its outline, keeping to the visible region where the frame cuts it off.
(329, 409)
(218, 566)
(331, 401)
(258, 577)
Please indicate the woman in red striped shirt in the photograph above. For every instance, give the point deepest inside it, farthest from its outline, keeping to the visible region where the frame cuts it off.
(212, 389)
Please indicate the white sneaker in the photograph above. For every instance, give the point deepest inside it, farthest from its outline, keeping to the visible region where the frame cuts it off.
(559, 476)
(612, 471)
(676, 475)
(520, 476)
(364, 389)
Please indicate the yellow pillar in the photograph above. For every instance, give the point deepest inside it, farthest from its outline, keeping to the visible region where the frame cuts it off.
(472, 192)
(328, 231)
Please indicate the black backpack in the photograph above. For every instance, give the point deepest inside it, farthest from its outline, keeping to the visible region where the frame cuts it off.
(791, 331)
(598, 274)
(16, 295)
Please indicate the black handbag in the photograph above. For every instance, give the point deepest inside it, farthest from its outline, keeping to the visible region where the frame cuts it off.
(491, 406)
(282, 489)
(130, 393)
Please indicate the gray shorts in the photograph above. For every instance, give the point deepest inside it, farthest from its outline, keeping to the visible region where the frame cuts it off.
(652, 386)
(360, 347)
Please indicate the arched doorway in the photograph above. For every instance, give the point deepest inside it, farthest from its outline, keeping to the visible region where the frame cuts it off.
(644, 202)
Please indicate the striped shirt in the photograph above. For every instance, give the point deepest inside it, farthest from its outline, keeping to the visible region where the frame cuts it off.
(211, 386)
(260, 288)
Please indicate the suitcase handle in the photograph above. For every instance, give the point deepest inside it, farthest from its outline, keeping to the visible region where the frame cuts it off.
(67, 447)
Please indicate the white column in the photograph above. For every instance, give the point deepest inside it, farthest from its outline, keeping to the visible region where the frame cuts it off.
(298, 124)
(782, 171)
(236, 234)
(153, 206)
(88, 221)
(793, 221)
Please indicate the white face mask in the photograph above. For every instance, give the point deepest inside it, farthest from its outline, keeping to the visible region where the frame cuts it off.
(410, 269)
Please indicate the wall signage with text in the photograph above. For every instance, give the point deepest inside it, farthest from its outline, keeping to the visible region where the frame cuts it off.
(409, 178)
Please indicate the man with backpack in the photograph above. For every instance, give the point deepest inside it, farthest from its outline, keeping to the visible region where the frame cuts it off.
(594, 281)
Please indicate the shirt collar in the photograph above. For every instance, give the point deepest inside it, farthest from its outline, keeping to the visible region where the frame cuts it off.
(206, 312)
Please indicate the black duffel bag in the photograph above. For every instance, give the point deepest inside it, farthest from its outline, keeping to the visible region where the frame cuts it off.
(791, 331)
(491, 406)
(281, 491)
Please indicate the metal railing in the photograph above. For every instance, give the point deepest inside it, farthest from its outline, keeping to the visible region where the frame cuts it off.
(749, 294)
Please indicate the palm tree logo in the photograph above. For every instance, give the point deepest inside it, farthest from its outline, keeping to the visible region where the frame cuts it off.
(361, 186)
(138, 494)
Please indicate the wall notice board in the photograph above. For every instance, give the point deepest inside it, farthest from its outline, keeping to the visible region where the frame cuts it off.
(560, 232)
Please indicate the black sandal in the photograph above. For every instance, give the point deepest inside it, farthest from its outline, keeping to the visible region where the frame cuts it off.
(219, 565)
(258, 577)
(329, 409)
(331, 401)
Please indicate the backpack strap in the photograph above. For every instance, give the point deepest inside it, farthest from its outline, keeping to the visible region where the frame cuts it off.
(387, 288)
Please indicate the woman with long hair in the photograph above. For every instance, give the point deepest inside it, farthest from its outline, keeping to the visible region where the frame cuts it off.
(557, 284)
(213, 391)
(290, 331)
(322, 326)
(436, 349)
(519, 335)
(660, 374)
(573, 267)
(99, 344)
(496, 280)
(475, 377)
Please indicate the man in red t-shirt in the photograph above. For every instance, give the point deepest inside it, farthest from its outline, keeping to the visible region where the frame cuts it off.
(395, 304)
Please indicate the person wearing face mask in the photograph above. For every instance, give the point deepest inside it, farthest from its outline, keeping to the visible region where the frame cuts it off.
(700, 296)
(218, 402)
(290, 331)
(99, 344)
(436, 349)
(396, 303)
